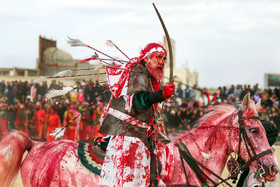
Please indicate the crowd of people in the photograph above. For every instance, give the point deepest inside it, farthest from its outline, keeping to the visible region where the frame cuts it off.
(23, 107)
(190, 104)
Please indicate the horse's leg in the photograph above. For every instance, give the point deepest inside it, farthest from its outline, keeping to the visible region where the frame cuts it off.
(12, 148)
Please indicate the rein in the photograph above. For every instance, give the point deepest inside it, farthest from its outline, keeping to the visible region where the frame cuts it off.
(184, 152)
(263, 170)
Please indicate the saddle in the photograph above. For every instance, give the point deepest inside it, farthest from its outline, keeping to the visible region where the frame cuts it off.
(92, 153)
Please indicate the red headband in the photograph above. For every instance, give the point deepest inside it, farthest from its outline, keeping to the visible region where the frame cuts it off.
(150, 48)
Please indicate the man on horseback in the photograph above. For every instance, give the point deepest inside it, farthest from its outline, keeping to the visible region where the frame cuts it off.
(131, 156)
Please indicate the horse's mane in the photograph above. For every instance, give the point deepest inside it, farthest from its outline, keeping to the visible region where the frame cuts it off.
(214, 115)
(214, 118)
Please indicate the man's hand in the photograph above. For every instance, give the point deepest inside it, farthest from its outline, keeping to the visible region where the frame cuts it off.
(168, 90)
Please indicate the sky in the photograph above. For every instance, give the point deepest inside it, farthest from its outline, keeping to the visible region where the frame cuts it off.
(225, 41)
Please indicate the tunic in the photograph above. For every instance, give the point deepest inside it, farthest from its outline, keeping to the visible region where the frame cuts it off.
(127, 159)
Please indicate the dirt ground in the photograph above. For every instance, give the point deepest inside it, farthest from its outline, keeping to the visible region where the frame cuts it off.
(18, 182)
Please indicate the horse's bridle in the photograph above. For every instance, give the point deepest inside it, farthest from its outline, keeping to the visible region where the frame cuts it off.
(263, 170)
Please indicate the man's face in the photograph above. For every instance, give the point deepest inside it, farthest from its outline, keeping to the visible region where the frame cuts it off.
(155, 64)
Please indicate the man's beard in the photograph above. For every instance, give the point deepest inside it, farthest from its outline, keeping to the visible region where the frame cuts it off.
(156, 72)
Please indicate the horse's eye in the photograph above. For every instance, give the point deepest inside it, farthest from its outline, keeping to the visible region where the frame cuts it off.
(254, 130)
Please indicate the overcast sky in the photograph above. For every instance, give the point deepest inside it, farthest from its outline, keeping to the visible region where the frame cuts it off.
(226, 42)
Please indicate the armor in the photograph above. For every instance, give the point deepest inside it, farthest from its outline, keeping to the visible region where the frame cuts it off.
(139, 120)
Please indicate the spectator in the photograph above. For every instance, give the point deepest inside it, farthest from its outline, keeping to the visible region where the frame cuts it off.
(237, 92)
(33, 93)
(40, 120)
(53, 123)
(73, 96)
(21, 119)
(10, 95)
(85, 122)
(3, 122)
(223, 93)
(187, 92)
(80, 96)
(72, 132)
(60, 109)
(2, 88)
(86, 92)
(54, 86)
(179, 91)
(244, 92)
(190, 109)
(10, 116)
(96, 119)
(30, 119)
(266, 100)
(193, 94)
(275, 118)
(42, 90)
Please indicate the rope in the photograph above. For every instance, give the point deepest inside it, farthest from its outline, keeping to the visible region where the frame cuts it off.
(68, 76)
(110, 42)
(120, 61)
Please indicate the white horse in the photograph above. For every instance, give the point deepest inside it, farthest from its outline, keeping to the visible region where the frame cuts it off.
(57, 163)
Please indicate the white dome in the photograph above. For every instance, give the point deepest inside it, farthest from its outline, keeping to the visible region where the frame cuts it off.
(53, 54)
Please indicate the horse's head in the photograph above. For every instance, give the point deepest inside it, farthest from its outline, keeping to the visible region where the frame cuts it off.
(248, 139)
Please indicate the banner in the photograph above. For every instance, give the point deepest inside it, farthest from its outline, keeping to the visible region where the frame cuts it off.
(272, 80)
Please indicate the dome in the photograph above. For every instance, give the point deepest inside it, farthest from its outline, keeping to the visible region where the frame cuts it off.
(55, 55)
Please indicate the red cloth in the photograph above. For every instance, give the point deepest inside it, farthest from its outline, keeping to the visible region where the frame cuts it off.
(3, 128)
(83, 127)
(40, 119)
(81, 97)
(118, 77)
(54, 122)
(96, 123)
(72, 131)
(21, 120)
(127, 159)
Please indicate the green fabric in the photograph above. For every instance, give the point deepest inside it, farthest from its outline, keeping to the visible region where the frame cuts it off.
(103, 144)
(204, 185)
(192, 163)
(141, 100)
(83, 159)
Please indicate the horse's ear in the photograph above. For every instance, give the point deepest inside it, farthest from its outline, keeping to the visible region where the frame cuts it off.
(258, 105)
(246, 102)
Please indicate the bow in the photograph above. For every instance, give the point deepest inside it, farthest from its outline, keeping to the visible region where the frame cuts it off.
(169, 45)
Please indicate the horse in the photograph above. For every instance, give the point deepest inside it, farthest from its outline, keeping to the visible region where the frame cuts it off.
(222, 130)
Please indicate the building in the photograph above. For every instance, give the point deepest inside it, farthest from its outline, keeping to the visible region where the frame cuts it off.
(52, 60)
(19, 74)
